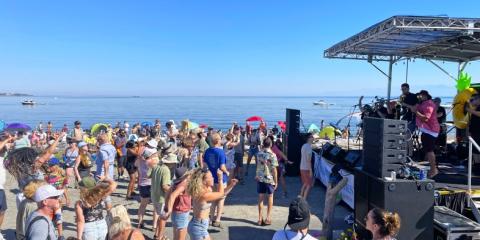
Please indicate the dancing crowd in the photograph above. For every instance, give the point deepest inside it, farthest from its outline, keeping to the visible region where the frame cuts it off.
(186, 174)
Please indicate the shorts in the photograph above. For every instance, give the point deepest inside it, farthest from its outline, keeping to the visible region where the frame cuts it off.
(121, 161)
(131, 168)
(265, 188)
(253, 151)
(144, 191)
(3, 201)
(198, 229)
(428, 142)
(96, 230)
(180, 219)
(158, 207)
(306, 177)
(238, 159)
(281, 169)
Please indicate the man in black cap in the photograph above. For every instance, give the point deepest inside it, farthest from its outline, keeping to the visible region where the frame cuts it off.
(298, 220)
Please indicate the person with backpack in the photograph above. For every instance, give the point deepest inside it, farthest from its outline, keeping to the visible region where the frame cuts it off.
(40, 222)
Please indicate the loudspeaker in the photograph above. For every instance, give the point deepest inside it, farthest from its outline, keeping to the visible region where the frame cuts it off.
(384, 145)
(412, 200)
(293, 121)
(293, 146)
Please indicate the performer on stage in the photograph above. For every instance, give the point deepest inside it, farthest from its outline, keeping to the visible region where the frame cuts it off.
(408, 99)
(426, 120)
(474, 125)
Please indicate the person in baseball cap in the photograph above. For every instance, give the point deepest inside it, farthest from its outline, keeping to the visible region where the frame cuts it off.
(298, 220)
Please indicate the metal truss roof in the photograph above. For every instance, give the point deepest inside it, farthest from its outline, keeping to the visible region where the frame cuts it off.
(435, 38)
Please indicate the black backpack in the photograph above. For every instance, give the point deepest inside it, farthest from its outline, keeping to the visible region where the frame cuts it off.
(34, 220)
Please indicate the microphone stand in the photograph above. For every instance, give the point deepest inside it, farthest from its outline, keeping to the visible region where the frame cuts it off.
(348, 126)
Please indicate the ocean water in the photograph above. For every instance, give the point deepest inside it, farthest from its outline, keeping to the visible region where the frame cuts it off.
(218, 112)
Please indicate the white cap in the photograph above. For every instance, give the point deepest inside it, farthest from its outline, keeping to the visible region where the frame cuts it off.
(46, 191)
(152, 143)
(81, 144)
(148, 152)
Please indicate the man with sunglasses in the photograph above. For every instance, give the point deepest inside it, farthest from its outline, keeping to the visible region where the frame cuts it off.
(39, 223)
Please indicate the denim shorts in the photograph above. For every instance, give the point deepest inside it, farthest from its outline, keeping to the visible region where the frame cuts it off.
(180, 219)
(265, 188)
(253, 151)
(95, 230)
(144, 191)
(198, 229)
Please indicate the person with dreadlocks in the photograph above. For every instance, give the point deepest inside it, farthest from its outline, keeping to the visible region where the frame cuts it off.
(24, 164)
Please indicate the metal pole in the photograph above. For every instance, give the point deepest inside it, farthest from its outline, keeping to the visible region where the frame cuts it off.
(470, 145)
(390, 66)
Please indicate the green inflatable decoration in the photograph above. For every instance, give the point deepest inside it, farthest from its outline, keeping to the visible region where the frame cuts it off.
(463, 82)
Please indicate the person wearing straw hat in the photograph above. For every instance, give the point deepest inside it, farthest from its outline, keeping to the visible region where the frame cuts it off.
(169, 157)
(298, 221)
(179, 203)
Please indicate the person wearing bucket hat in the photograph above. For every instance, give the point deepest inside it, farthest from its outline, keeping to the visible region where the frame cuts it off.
(160, 186)
(298, 221)
(39, 224)
(179, 203)
(169, 158)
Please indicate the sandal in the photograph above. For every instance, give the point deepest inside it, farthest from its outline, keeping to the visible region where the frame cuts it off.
(267, 222)
(260, 222)
(217, 224)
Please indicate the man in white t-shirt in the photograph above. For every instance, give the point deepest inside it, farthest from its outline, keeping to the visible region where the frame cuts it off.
(298, 221)
(306, 172)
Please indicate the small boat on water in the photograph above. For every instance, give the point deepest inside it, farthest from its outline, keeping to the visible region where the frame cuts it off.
(322, 103)
(28, 102)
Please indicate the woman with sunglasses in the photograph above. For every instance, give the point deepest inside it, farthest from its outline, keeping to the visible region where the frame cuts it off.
(200, 188)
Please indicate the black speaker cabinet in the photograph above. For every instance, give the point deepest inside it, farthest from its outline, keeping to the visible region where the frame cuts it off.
(412, 200)
(293, 121)
(293, 146)
(382, 126)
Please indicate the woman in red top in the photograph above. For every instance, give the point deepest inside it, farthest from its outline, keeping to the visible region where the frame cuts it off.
(179, 203)
(282, 161)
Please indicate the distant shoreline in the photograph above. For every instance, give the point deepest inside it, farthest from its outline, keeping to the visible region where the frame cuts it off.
(15, 95)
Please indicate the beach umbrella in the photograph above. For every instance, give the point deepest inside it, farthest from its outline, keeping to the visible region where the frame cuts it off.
(203, 125)
(313, 128)
(97, 128)
(282, 125)
(2, 125)
(146, 124)
(254, 119)
(17, 127)
(193, 125)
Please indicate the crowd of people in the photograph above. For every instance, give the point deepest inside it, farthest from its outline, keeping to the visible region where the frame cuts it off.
(182, 172)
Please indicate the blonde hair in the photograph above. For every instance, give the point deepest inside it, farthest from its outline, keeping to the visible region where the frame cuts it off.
(30, 189)
(196, 186)
(118, 220)
(216, 138)
(94, 195)
(388, 222)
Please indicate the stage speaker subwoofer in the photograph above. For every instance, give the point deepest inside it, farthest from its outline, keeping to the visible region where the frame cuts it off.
(412, 200)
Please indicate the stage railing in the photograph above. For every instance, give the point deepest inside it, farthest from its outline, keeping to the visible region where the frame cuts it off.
(471, 143)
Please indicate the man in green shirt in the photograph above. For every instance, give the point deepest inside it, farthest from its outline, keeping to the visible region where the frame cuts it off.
(160, 186)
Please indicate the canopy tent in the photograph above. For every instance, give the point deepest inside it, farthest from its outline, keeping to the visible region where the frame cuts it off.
(313, 128)
(97, 128)
(405, 37)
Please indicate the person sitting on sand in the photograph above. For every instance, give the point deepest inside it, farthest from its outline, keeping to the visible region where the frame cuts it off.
(298, 221)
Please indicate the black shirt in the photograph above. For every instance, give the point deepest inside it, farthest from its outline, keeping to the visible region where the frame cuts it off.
(474, 126)
(443, 118)
(410, 99)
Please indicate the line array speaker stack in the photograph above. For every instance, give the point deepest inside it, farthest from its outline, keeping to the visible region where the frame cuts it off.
(293, 141)
(384, 145)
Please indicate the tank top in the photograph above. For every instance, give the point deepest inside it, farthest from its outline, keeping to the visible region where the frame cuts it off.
(70, 157)
(85, 162)
(183, 203)
(92, 214)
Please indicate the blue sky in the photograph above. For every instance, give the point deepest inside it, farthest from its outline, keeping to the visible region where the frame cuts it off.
(241, 48)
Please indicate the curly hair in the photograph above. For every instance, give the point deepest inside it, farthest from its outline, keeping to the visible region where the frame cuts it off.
(94, 195)
(20, 161)
(196, 186)
(30, 189)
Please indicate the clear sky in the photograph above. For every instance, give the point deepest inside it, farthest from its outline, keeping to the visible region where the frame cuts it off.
(240, 48)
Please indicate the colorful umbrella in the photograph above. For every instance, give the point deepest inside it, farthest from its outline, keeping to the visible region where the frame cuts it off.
(203, 125)
(147, 124)
(254, 119)
(193, 125)
(97, 128)
(17, 127)
(313, 128)
(282, 125)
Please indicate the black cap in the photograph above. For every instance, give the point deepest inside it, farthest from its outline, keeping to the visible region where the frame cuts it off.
(298, 214)
(77, 122)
